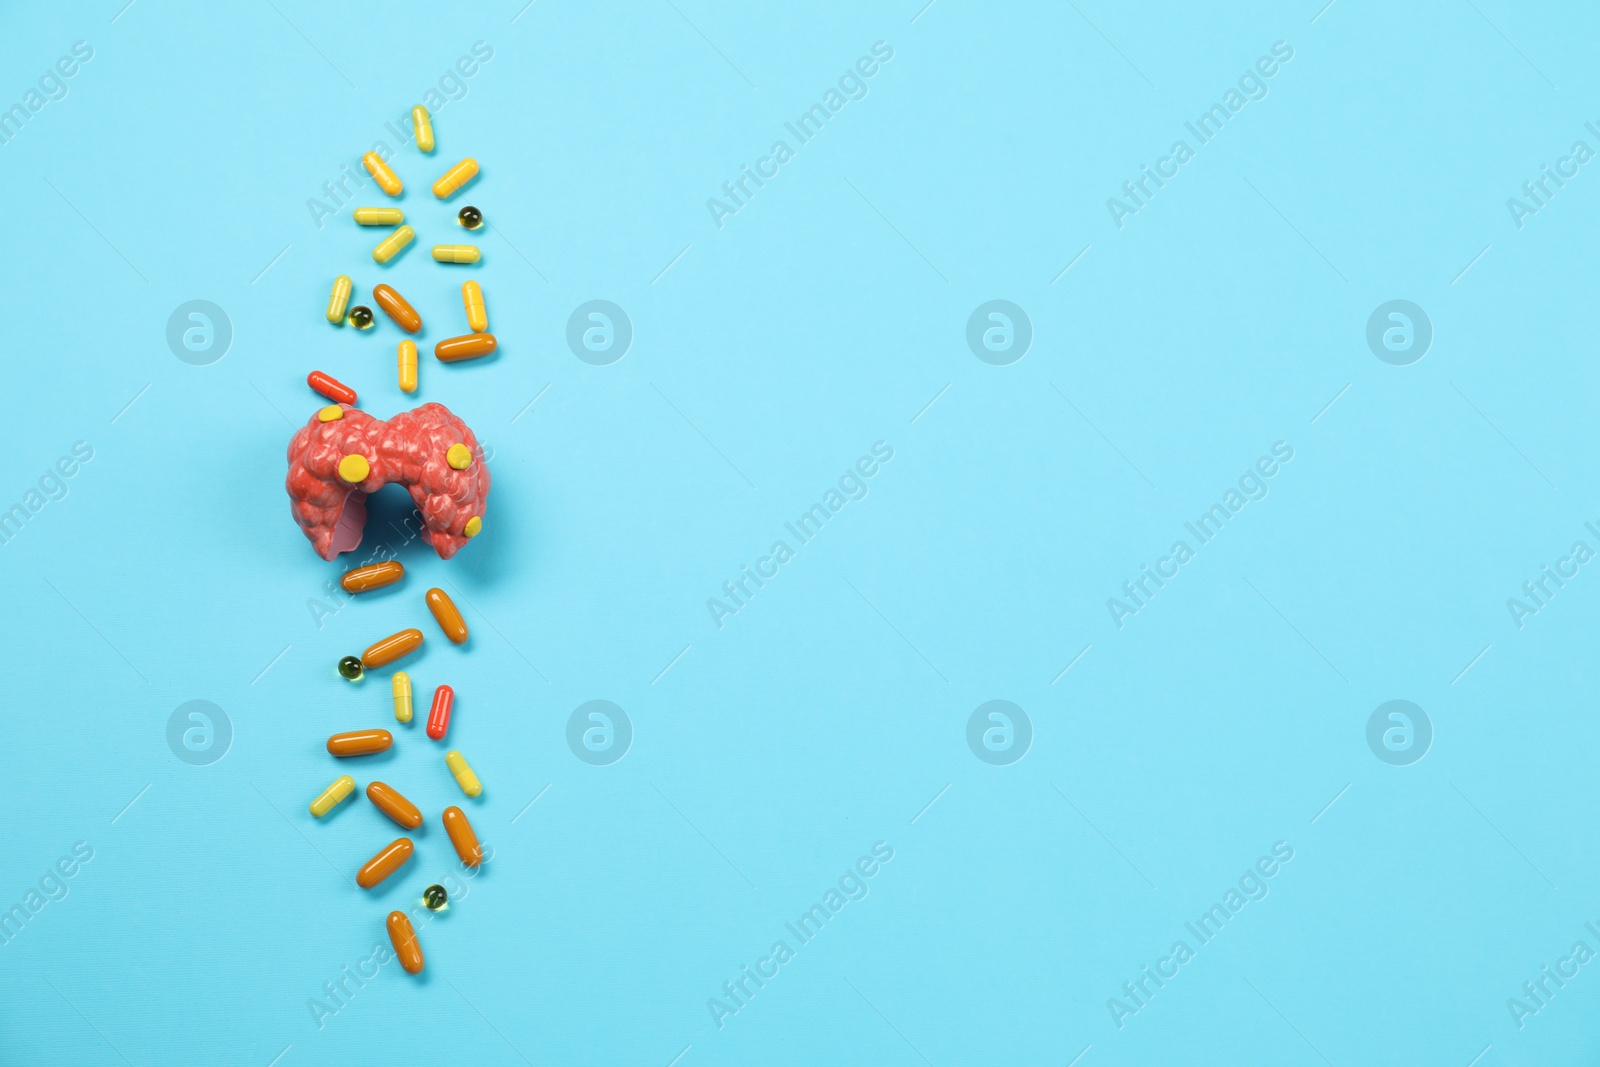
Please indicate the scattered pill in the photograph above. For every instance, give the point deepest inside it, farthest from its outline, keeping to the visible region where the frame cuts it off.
(462, 836)
(379, 216)
(332, 796)
(455, 178)
(467, 346)
(465, 778)
(372, 576)
(389, 859)
(359, 743)
(350, 669)
(447, 615)
(354, 468)
(386, 178)
(458, 455)
(397, 308)
(477, 311)
(390, 246)
(388, 799)
(473, 527)
(422, 125)
(444, 699)
(331, 413)
(341, 297)
(470, 217)
(456, 253)
(401, 687)
(392, 648)
(407, 357)
(361, 317)
(404, 939)
(331, 388)
(436, 898)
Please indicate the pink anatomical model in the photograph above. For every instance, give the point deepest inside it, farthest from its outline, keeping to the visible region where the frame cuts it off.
(342, 454)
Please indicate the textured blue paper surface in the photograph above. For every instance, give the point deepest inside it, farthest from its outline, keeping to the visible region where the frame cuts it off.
(1195, 382)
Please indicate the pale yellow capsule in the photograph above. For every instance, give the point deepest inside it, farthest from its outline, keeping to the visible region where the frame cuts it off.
(391, 245)
(456, 253)
(335, 793)
(342, 285)
(455, 178)
(379, 216)
(422, 123)
(402, 696)
(477, 310)
(465, 778)
(381, 173)
(408, 367)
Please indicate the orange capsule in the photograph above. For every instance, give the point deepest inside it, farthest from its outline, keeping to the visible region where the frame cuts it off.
(389, 859)
(469, 346)
(386, 178)
(447, 615)
(397, 308)
(334, 389)
(404, 939)
(360, 743)
(376, 576)
(388, 799)
(462, 836)
(392, 648)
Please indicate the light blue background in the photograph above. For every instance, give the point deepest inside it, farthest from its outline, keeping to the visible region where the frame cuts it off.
(768, 355)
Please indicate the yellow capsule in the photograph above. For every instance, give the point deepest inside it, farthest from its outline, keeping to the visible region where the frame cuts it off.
(455, 178)
(391, 245)
(477, 310)
(465, 778)
(408, 366)
(422, 123)
(402, 696)
(340, 298)
(379, 216)
(456, 253)
(386, 178)
(342, 787)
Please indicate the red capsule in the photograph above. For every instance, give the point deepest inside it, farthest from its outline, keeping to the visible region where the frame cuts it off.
(439, 715)
(331, 388)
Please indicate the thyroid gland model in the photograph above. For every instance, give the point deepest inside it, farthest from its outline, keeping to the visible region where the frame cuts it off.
(343, 454)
